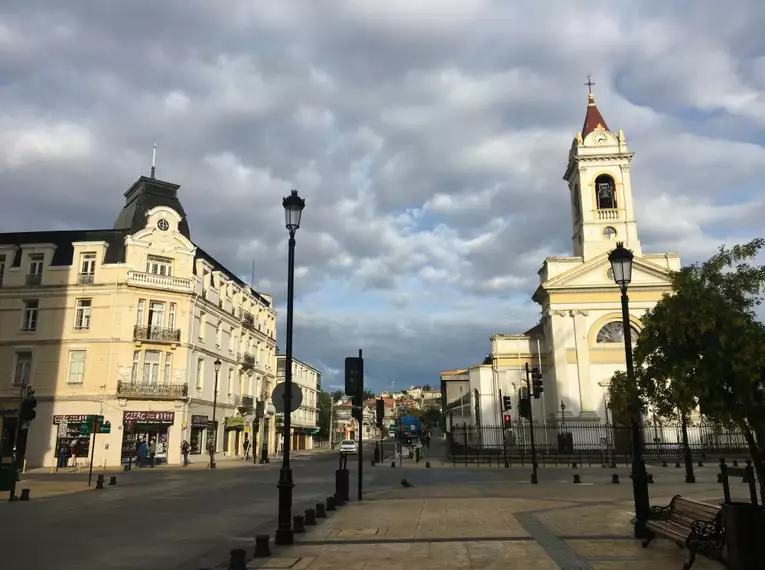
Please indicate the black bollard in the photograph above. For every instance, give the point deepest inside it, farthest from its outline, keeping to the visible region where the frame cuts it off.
(749, 476)
(735, 463)
(615, 478)
(100, 482)
(577, 479)
(393, 464)
(297, 524)
(649, 477)
(24, 495)
(238, 560)
(427, 465)
(701, 463)
(113, 481)
(346, 485)
(722, 477)
(748, 472)
(320, 512)
(339, 489)
(310, 517)
(330, 504)
(677, 465)
(663, 463)
(573, 465)
(262, 546)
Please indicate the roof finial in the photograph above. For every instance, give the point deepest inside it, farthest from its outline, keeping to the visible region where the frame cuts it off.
(153, 159)
(589, 85)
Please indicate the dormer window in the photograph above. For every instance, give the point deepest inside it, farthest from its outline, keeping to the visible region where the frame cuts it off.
(159, 265)
(605, 192)
(87, 268)
(34, 276)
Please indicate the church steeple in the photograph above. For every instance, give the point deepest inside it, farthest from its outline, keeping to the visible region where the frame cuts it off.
(593, 120)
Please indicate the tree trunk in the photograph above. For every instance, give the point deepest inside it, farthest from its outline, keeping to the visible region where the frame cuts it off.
(757, 449)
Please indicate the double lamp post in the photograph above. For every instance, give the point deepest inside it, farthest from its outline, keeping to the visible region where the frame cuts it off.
(621, 265)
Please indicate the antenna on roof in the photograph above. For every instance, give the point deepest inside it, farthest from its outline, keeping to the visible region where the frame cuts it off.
(153, 159)
(252, 276)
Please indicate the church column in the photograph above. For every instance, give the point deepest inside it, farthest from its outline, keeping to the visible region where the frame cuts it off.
(587, 404)
(556, 332)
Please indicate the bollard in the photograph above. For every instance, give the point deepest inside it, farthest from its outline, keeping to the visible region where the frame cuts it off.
(649, 477)
(113, 481)
(331, 503)
(577, 479)
(346, 485)
(100, 482)
(722, 477)
(752, 482)
(677, 465)
(735, 463)
(615, 478)
(427, 465)
(238, 560)
(125, 468)
(297, 524)
(262, 546)
(701, 463)
(663, 463)
(339, 492)
(747, 471)
(393, 464)
(24, 495)
(320, 512)
(310, 517)
(573, 465)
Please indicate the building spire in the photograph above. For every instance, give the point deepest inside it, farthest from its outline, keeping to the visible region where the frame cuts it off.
(593, 120)
(153, 160)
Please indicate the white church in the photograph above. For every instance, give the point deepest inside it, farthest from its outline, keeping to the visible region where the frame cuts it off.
(578, 343)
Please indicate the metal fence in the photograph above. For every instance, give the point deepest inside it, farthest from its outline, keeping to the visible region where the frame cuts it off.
(589, 443)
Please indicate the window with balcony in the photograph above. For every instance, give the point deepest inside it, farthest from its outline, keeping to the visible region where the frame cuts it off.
(22, 371)
(151, 366)
(159, 265)
(87, 268)
(200, 372)
(30, 315)
(156, 314)
(34, 275)
(82, 314)
(2, 269)
(76, 373)
(136, 365)
(168, 368)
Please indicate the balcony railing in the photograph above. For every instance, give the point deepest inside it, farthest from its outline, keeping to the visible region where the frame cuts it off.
(248, 320)
(247, 360)
(608, 214)
(165, 282)
(85, 278)
(34, 279)
(156, 334)
(148, 390)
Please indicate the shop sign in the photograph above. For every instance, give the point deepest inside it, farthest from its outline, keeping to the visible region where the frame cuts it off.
(234, 422)
(154, 418)
(199, 421)
(69, 419)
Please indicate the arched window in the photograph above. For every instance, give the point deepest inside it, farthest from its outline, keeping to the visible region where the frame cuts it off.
(613, 332)
(605, 192)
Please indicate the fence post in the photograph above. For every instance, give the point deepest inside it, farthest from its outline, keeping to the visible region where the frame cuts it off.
(722, 477)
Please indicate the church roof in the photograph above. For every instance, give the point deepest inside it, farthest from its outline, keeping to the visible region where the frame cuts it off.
(593, 120)
(145, 194)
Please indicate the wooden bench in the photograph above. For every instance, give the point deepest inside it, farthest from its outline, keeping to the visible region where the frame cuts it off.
(693, 524)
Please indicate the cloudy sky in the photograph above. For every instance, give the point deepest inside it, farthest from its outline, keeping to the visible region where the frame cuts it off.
(429, 138)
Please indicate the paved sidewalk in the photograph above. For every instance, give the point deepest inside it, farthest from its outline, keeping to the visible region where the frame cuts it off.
(487, 526)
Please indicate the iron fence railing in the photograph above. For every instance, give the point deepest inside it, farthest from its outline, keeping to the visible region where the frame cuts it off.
(591, 443)
(156, 334)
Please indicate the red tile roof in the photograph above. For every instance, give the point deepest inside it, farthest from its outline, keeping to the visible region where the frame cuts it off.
(593, 120)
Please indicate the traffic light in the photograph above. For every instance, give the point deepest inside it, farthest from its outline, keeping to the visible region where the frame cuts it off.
(507, 420)
(536, 382)
(380, 412)
(354, 378)
(28, 406)
(507, 403)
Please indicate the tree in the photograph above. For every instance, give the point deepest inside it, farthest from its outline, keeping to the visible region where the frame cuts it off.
(623, 398)
(704, 346)
(337, 395)
(368, 395)
(431, 416)
(325, 414)
(427, 388)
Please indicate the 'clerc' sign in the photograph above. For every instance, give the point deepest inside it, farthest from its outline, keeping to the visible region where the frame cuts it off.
(156, 418)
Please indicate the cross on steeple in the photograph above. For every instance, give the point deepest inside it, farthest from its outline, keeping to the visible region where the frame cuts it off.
(589, 84)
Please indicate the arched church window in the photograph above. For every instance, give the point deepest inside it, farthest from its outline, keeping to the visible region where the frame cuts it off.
(613, 332)
(605, 191)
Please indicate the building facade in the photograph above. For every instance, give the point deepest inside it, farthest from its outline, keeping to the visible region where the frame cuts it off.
(579, 343)
(305, 420)
(128, 323)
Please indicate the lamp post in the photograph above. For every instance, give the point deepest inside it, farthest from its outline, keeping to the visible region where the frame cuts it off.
(214, 440)
(293, 209)
(621, 265)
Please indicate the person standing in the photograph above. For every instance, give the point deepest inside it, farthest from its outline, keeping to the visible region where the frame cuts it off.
(143, 453)
(63, 454)
(246, 447)
(152, 451)
(185, 452)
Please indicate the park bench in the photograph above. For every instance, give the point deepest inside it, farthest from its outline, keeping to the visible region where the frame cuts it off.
(689, 523)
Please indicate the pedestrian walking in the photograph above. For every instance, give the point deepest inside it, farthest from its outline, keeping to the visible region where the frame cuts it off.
(185, 452)
(152, 452)
(143, 453)
(246, 447)
(63, 455)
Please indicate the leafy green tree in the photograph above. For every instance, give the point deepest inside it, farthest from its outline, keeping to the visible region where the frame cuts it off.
(325, 414)
(337, 395)
(431, 416)
(624, 398)
(704, 346)
(368, 395)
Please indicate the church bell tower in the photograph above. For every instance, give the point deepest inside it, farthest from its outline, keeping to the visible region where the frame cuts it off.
(598, 176)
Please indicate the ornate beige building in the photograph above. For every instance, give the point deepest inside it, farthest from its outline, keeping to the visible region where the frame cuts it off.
(305, 420)
(128, 323)
(579, 342)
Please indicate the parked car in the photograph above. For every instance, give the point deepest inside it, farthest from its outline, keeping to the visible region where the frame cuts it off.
(349, 446)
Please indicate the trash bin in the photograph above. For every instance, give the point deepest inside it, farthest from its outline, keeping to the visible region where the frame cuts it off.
(744, 531)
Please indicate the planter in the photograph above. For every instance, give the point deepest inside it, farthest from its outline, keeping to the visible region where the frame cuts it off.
(744, 532)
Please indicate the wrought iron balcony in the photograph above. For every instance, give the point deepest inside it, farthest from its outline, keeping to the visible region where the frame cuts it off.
(156, 334)
(149, 390)
(85, 278)
(34, 279)
(248, 360)
(248, 319)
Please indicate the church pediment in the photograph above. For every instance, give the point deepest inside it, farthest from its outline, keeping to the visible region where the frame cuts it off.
(595, 273)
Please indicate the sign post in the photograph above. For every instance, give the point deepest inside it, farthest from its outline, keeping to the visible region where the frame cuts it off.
(360, 398)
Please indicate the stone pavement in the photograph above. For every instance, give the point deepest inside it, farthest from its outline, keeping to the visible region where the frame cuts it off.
(487, 526)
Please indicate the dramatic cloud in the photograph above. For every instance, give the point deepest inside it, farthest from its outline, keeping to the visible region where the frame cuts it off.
(429, 139)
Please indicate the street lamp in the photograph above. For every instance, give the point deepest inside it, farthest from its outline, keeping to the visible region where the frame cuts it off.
(214, 441)
(621, 265)
(293, 209)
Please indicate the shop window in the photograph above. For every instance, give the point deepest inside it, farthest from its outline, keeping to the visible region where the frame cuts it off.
(23, 368)
(76, 367)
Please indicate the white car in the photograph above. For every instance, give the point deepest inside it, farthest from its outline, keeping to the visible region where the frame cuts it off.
(349, 446)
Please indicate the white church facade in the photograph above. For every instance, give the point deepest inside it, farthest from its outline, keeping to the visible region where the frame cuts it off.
(578, 343)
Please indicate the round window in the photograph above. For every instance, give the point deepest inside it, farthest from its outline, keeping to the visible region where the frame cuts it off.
(609, 233)
(163, 225)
